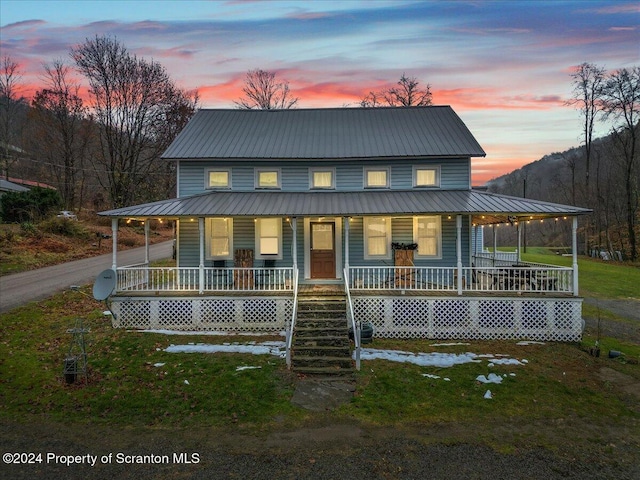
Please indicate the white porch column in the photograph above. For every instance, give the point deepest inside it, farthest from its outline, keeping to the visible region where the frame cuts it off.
(114, 239)
(346, 248)
(294, 245)
(201, 265)
(519, 242)
(147, 223)
(574, 250)
(495, 245)
(459, 251)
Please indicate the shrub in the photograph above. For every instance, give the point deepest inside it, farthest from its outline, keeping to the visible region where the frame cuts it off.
(29, 206)
(29, 229)
(62, 226)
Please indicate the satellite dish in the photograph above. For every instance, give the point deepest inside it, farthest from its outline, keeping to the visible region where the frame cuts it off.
(104, 285)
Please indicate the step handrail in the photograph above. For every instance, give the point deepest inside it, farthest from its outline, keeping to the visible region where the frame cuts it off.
(294, 316)
(351, 318)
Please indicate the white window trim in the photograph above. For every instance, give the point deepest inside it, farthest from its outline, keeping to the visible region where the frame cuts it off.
(208, 232)
(260, 256)
(256, 180)
(206, 178)
(438, 255)
(319, 169)
(436, 168)
(365, 225)
(376, 169)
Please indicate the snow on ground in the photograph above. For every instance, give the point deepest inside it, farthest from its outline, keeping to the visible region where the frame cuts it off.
(265, 348)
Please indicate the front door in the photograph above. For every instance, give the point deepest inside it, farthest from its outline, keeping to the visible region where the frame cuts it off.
(323, 254)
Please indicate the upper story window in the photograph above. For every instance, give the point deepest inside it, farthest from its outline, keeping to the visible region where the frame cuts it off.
(267, 178)
(322, 178)
(220, 178)
(426, 176)
(376, 178)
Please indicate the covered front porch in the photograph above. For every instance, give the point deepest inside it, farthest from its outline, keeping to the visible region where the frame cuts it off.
(453, 289)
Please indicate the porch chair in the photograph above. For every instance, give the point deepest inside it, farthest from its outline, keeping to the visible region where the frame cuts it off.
(263, 275)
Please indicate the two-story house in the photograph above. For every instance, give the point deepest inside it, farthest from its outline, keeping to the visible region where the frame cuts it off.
(374, 202)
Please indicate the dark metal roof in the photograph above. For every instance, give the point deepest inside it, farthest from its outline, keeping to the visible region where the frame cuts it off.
(390, 202)
(333, 133)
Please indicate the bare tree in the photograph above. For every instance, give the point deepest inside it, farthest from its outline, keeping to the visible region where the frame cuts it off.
(622, 103)
(11, 109)
(407, 93)
(133, 100)
(61, 134)
(263, 92)
(588, 81)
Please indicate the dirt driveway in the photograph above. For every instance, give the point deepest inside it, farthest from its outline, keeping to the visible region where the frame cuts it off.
(325, 451)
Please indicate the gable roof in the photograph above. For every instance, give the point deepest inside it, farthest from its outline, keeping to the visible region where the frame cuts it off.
(332, 133)
(308, 203)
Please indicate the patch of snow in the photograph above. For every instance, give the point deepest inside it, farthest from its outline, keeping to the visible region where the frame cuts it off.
(186, 382)
(507, 361)
(239, 369)
(107, 313)
(488, 395)
(158, 364)
(428, 375)
(492, 378)
(442, 360)
(528, 342)
(490, 364)
(524, 360)
(268, 348)
(448, 344)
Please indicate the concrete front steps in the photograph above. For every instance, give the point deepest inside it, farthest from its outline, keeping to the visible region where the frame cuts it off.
(321, 337)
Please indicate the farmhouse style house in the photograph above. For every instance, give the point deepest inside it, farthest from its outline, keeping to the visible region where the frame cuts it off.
(374, 204)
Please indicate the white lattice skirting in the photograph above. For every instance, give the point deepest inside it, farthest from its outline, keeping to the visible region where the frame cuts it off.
(258, 314)
(553, 319)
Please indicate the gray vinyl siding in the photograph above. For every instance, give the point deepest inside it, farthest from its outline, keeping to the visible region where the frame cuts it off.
(402, 232)
(243, 237)
(454, 174)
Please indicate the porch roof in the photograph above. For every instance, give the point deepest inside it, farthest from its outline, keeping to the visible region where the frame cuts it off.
(336, 203)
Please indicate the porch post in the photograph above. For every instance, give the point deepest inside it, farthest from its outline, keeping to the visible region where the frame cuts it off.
(519, 258)
(495, 245)
(459, 251)
(146, 241)
(574, 250)
(294, 246)
(114, 237)
(201, 266)
(346, 249)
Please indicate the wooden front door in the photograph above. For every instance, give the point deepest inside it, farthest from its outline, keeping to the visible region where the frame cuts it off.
(323, 253)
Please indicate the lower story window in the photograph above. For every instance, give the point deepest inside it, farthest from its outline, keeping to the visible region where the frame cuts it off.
(427, 233)
(377, 237)
(219, 238)
(269, 237)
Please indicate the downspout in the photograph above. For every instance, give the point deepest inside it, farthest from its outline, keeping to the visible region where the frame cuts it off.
(201, 265)
(574, 249)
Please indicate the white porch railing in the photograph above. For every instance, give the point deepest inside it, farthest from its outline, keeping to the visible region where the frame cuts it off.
(187, 279)
(294, 317)
(507, 278)
(351, 319)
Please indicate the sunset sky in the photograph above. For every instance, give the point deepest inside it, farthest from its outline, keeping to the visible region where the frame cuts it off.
(504, 66)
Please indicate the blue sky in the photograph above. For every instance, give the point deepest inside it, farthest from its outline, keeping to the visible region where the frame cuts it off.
(504, 66)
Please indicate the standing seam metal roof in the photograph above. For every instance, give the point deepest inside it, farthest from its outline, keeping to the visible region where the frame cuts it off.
(359, 203)
(338, 133)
